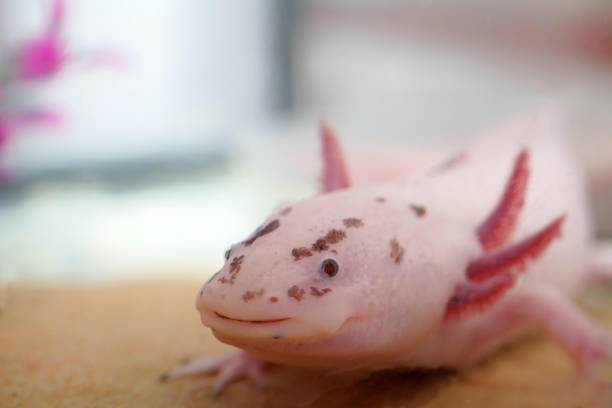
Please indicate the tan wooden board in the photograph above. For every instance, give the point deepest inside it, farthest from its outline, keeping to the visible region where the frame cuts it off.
(107, 346)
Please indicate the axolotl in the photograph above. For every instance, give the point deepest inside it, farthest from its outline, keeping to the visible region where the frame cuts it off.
(435, 269)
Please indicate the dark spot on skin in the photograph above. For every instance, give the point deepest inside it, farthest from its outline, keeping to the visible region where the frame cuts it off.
(273, 299)
(319, 292)
(296, 292)
(235, 266)
(271, 226)
(320, 245)
(419, 210)
(397, 251)
(285, 211)
(334, 251)
(352, 222)
(276, 337)
(380, 200)
(450, 163)
(201, 292)
(299, 253)
(248, 295)
(334, 236)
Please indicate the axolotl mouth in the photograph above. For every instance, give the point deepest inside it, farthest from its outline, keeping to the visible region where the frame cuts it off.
(274, 328)
(253, 321)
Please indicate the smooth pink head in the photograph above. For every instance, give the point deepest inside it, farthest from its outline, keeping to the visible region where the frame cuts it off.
(332, 277)
(335, 277)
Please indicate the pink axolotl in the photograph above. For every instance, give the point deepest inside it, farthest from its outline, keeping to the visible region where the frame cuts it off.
(436, 269)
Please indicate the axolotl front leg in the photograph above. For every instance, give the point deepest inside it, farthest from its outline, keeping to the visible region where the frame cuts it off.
(227, 367)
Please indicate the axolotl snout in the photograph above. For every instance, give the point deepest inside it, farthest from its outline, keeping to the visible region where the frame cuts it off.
(436, 269)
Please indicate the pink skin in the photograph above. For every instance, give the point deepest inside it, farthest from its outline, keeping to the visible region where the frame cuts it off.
(587, 344)
(228, 367)
(400, 270)
(601, 267)
(335, 174)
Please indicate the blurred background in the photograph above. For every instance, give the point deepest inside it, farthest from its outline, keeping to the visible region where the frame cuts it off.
(139, 139)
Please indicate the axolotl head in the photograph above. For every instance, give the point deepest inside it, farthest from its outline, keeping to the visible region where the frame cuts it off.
(362, 276)
(328, 277)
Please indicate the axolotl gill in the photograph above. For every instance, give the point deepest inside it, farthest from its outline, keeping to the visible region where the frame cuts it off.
(435, 269)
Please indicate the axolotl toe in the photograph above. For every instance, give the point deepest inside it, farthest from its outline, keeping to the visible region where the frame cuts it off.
(436, 269)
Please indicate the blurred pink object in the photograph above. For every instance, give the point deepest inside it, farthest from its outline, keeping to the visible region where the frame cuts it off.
(101, 57)
(40, 58)
(43, 56)
(13, 121)
(4, 131)
(46, 117)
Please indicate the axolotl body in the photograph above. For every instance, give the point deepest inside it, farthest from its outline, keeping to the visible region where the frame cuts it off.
(435, 269)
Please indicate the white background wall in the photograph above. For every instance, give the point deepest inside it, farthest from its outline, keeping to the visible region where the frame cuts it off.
(193, 69)
(198, 69)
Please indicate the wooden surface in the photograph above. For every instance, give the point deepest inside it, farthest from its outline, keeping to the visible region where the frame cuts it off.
(106, 347)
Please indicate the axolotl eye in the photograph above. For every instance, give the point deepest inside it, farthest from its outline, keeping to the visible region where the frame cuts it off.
(329, 268)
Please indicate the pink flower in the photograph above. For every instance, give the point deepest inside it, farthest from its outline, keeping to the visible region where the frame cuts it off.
(44, 55)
